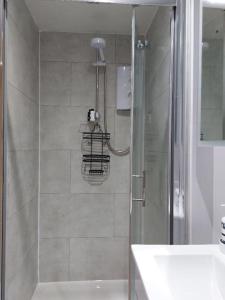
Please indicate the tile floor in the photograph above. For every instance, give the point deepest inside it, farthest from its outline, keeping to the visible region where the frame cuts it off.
(82, 290)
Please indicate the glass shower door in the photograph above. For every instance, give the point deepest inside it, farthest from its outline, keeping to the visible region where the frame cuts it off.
(151, 135)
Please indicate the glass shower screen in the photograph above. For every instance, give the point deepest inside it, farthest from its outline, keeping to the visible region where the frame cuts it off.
(152, 63)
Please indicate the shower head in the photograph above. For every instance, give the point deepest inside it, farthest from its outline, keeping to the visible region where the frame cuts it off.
(99, 44)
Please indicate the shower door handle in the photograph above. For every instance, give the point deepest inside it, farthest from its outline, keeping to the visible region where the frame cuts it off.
(141, 199)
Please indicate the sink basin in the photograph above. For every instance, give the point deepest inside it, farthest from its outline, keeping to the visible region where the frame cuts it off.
(181, 272)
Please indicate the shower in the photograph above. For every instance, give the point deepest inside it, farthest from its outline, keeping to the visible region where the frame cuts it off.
(99, 44)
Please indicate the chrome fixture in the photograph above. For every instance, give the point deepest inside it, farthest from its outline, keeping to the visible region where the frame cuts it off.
(142, 44)
(99, 44)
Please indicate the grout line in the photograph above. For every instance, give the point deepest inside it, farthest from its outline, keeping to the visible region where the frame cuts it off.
(69, 242)
(71, 83)
(114, 215)
(70, 181)
(39, 156)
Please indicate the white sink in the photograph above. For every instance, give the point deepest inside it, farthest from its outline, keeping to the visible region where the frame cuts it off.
(180, 272)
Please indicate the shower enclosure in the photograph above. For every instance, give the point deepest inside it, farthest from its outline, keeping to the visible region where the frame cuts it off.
(157, 181)
(62, 230)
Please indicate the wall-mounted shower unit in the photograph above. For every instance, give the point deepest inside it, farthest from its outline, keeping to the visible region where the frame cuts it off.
(96, 138)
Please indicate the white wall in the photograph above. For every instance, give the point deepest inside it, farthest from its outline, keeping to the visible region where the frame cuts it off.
(219, 190)
(207, 162)
(208, 202)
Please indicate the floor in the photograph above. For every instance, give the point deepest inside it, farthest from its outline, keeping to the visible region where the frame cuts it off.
(82, 290)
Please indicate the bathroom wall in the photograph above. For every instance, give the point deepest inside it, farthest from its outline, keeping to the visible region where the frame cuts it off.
(210, 176)
(83, 227)
(205, 205)
(22, 153)
(157, 127)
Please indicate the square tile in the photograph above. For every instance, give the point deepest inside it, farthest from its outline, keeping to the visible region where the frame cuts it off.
(54, 259)
(55, 171)
(55, 83)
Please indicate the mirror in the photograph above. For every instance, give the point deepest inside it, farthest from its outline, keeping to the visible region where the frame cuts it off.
(213, 75)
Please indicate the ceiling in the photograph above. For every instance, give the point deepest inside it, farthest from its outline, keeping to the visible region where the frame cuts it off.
(80, 17)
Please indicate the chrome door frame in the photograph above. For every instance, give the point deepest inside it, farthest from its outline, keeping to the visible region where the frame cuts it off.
(180, 89)
(179, 114)
(2, 146)
(180, 125)
(131, 2)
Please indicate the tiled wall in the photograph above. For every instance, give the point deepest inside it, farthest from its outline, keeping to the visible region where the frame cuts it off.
(22, 155)
(83, 227)
(157, 127)
(212, 90)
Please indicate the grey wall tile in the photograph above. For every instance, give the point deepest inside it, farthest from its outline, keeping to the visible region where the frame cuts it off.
(19, 13)
(55, 171)
(54, 215)
(21, 120)
(101, 258)
(111, 80)
(21, 236)
(60, 127)
(83, 76)
(66, 46)
(123, 50)
(122, 129)
(55, 83)
(158, 33)
(72, 47)
(79, 253)
(22, 63)
(23, 284)
(21, 180)
(120, 170)
(54, 260)
(161, 80)
(122, 215)
(79, 215)
(214, 55)
(157, 124)
(22, 162)
(91, 215)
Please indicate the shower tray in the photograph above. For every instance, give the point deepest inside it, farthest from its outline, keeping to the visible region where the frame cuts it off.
(82, 290)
